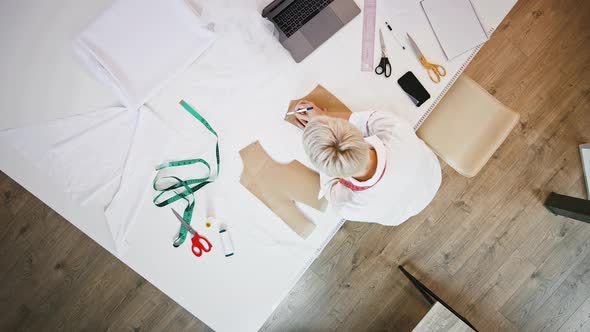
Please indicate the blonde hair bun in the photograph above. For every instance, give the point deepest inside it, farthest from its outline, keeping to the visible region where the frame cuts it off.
(335, 147)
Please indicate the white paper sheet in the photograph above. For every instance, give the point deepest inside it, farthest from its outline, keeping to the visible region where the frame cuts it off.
(455, 24)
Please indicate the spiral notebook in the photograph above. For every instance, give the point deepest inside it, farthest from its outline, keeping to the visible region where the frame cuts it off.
(456, 25)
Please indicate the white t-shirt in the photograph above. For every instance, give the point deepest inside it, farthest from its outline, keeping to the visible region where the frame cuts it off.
(407, 177)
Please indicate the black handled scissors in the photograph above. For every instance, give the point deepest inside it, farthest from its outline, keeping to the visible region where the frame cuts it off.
(384, 67)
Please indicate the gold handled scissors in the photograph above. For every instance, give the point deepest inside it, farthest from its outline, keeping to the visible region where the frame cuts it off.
(435, 71)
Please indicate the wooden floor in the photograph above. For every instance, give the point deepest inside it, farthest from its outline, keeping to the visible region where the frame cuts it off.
(486, 245)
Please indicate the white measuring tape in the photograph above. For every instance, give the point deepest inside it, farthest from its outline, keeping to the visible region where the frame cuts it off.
(368, 46)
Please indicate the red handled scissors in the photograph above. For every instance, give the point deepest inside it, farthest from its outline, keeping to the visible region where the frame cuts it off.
(199, 243)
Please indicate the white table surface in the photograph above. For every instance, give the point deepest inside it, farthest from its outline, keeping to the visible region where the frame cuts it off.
(242, 85)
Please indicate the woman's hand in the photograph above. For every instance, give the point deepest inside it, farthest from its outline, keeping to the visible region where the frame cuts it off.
(304, 117)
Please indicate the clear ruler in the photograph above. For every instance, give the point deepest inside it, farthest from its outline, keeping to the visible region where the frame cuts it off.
(368, 46)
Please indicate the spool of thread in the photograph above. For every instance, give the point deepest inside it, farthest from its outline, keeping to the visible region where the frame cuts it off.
(226, 243)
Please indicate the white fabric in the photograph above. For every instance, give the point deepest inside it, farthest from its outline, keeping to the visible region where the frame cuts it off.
(411, 174)
(136, 46)
(104, 159)
(77, 153)
(38, 69)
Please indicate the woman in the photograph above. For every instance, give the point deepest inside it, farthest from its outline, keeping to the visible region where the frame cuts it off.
(372, 165)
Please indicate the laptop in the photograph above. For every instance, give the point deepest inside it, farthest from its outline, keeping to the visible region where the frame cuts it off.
(304, 25)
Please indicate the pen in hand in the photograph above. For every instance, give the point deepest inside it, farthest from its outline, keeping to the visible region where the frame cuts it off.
(302, 110)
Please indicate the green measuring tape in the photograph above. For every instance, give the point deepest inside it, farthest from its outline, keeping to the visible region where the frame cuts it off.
(172, 188)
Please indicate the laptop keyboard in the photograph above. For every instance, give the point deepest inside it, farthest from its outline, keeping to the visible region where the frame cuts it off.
(298, 13)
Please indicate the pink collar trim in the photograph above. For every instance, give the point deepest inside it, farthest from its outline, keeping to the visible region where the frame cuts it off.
(354, 187)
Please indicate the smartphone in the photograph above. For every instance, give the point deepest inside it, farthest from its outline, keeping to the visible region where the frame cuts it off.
(413, 88)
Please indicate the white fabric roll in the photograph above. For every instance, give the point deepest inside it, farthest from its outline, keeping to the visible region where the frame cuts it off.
(137, 46)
